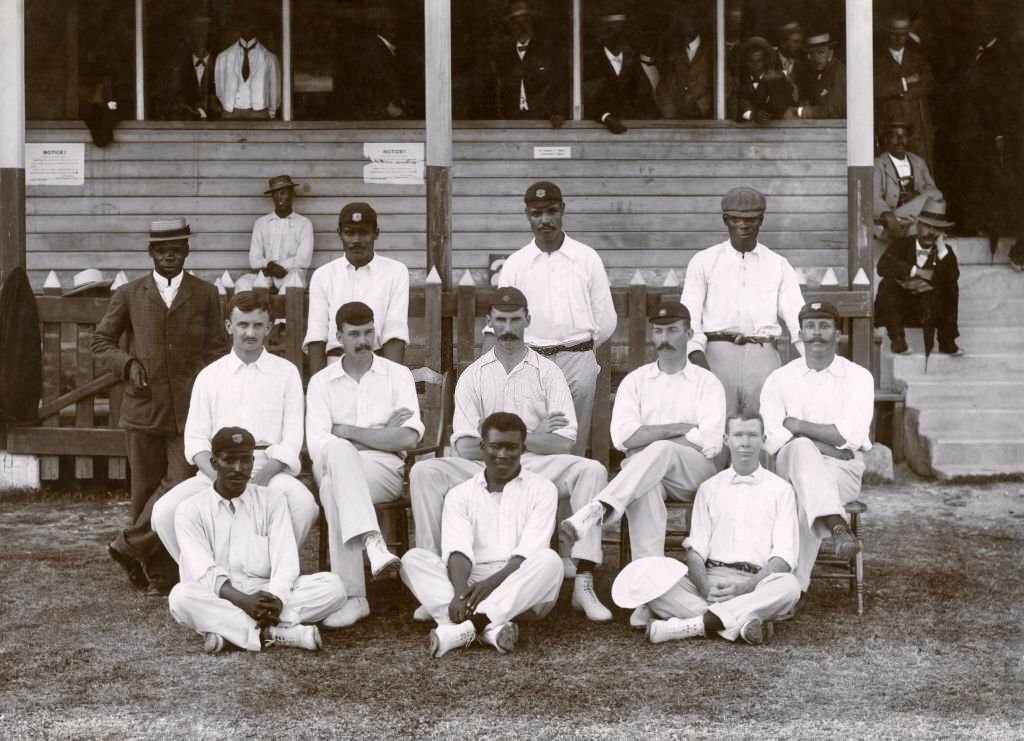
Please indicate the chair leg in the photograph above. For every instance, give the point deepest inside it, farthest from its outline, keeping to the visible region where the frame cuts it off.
(623, 542)
(323, 547)
(860, 583)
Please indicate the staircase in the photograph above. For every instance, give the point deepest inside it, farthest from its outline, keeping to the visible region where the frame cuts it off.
(965, 416)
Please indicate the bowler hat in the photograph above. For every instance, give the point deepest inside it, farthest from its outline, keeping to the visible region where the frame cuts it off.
(756, 42)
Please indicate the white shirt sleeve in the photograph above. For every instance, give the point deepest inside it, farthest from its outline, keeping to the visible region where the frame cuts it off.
(287, 451)
(303, 257)
(773, 412)
(694, 293)
(601, 302)
(540, 521)
(284, 554)
(396, 323)
(318, 416)
(199, 423)
(626, 418)
(197, 563)
(466, 418)
(257, 256)
(317, 320)
(858, 408)
(457, 525)
(700, 522)
(559, 399)
(406, 397)
(791, 300)
(710, 430)
(785, 531)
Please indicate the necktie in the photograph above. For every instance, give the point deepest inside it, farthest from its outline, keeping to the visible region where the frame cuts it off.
(245, 60)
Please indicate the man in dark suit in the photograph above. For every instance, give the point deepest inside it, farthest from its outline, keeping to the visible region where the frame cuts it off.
(195, 96)
(686, 67)
(174, 328)
(616, 85)
(789, 58)
(384, 78)
(529, 76)
(903, 86)
(823, 84)
(762, 92)
(919, 278)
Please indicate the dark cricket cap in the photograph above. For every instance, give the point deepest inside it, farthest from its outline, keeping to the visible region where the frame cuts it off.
(668, 311)
(509, 298)
(355, 313)
(819, 310)
(543, 192)
(357, 214)
(234, 439)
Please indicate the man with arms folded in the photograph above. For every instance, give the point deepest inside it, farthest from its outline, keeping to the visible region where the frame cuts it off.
(251, 388)
(669, 418)
(361, 414)
(240, 580)
(739, 558)
(817, 413)
(495, 562)
(513, 378)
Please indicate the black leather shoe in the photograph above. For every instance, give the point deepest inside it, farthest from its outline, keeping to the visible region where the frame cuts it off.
(158, 589)
(136, 574)
(899, 346)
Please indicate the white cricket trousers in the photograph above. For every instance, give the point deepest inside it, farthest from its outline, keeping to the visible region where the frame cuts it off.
(302, 506)
(823, 485)
(577, 479)
(742, 369)
(530, 591)
(662, 470)
(351, 481)
(580, 370)
(313, 598)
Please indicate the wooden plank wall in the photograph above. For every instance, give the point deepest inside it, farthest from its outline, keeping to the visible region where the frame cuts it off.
(648, 199)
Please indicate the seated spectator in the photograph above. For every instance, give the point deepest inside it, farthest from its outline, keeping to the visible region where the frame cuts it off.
(495, 564)
(240, 581)
(248, 77)
(919, 282)
(686, 71)
(762, 92)
(528, 76)
(282, 241)
(195, 97)
(823, 87)
(615, 85)
(903, 183)
(904, 85)
(789, 57)
(739, 558)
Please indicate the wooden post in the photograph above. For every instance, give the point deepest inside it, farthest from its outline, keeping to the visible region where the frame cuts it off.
(140, 62)
(860, 148)
(12, 136)
(286, 60)
(577, 60)
(432, 311)
(720, 60)
(438, 41)
(71, 60)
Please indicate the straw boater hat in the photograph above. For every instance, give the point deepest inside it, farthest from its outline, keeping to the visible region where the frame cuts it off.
(934, 214)
(819, 40)
(169, 230)
(646, 579)
(87, 280)
(279, 182)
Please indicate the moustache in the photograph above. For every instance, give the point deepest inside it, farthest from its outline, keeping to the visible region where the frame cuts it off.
(665, 346)
(508, 336)
(362, 348)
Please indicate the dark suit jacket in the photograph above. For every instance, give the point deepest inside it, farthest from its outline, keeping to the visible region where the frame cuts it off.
(365, 83)
(541, 71)
(901, 256)
(793, 78)
(894, 305)
(172, 344)
(685, 87)
(913, 106)
(824, 95)
(773, 94)
(192, 93)
(626, 95)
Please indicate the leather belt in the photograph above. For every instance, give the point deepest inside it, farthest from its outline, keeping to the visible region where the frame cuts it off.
(550, 350)
(738, 565)
(262, 447)
(336, 352)
(738, 339)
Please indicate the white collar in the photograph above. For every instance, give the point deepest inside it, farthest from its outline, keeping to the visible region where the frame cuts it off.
(687, 372)
(480, 481)
(338, 371)
(613, 57)
(567, 248)
(531, 358)
(693, 46)
(250, 47)
(236, 362)
(349, 265)
(835, 368)
(196, 60)
(754, 477)
(173, 283)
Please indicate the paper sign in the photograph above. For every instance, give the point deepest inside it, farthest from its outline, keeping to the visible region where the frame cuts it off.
(393, 164)
(54, 164)
(552, 153)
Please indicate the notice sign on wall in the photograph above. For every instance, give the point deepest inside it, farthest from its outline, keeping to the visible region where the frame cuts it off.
(393, 164)
(55, 164)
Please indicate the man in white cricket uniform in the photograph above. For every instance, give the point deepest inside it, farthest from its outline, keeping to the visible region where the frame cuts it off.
(359, 275)
(669, 419)
(513, 378)
(250, 388)
(282, 241)
(740, 554)
(571, 309)
(817, 413)
(240, 578)
(362, 414)
(736, 292)
(495, 563)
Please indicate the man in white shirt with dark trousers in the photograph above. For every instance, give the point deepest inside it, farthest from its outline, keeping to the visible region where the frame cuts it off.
(736, 292)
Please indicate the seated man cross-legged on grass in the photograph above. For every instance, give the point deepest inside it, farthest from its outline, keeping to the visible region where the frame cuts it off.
(669, 418)
(496, 563)
(240, 578)
(742, 545)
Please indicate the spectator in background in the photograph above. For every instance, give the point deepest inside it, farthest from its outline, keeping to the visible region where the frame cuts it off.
(823, 88)
(903, 182)
(789, 57)
(195, 97)
(248, 77)
(379, 83)
(615, 86)
(282, 241)
(527, 73)
(762, 92)
(903, 85)
(686, 71)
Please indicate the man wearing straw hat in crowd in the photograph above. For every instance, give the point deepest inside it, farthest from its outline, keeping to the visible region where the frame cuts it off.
(282, 241)
(173, 322)
(920, 272)
(823, 88)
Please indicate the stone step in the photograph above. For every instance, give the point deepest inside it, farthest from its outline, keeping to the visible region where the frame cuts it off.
(973, 366)
(976, 251)
(989, 423)
(977, 471)
(940, 393)
(1000, 309)
(981, 282)
(975, 339)
(977, 452)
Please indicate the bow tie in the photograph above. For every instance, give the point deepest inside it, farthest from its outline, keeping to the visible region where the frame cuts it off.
(201, 63)
(523, 47)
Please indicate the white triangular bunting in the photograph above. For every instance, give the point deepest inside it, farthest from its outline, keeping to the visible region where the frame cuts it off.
(226, 281)
(637, 279)
(119, 280)
(671, 279)
(861, 278)
(261, 281)
(829, 278)
(433, 277)
(52, 281)
(467, 279)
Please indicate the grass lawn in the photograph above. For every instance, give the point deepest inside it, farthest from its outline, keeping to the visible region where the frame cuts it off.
(938, 654)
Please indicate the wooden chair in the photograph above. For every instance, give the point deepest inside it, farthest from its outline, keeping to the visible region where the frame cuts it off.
(826, 566)
(437, 403)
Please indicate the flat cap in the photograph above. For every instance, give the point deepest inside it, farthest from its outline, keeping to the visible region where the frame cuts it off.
(234, 439)
(357, 214)
(819, 310)
(743, 201)
(668, 311)
(509, 298)
(543, 192)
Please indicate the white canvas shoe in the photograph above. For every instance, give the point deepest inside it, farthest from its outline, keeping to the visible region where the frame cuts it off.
(584, 598)
(350, 613)
(675, 629)
(213, 643)
(641, 617)
(297, 636)
(422, 615)
(756, 632)
(589, 516)
(382, 561)
(445, 637)
(502, 636)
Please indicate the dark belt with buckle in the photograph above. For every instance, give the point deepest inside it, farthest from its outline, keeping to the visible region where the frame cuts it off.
(336, 352)
(550, 350)
(738, 565)
(738, 339)
(262, 447)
